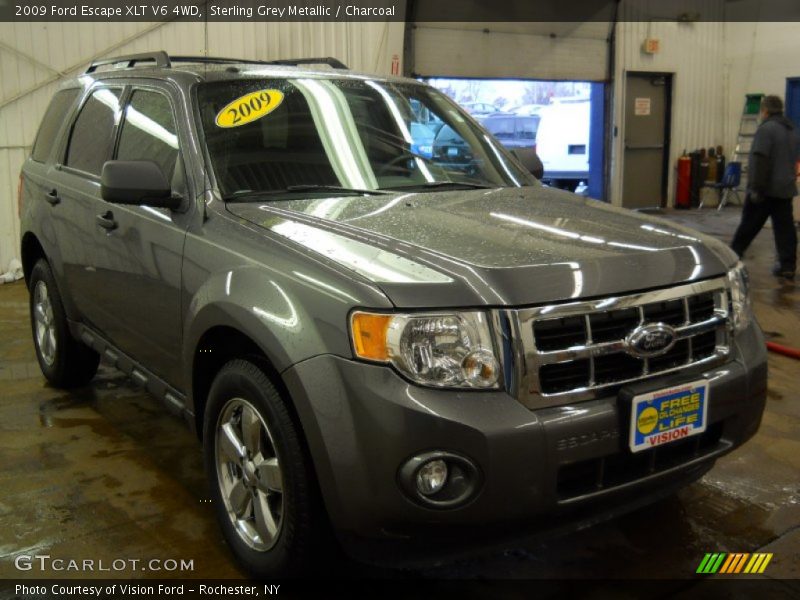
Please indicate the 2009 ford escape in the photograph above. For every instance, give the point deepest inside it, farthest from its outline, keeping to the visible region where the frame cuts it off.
(403, 344)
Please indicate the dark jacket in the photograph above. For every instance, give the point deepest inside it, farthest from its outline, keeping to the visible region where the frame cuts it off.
(775, 151)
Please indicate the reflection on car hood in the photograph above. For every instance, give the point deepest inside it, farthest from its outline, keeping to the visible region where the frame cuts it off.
(507, 246)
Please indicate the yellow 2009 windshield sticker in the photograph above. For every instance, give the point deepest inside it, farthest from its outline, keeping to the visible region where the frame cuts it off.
(249, 108)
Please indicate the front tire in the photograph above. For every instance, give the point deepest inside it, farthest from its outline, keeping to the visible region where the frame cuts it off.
(65, 361)
(263, 485)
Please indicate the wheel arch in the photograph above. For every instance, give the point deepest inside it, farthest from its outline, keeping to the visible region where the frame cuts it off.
(214, 348)
(31, 250)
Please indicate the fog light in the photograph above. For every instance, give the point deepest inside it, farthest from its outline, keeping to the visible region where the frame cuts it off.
(431, 477)
(440, 479)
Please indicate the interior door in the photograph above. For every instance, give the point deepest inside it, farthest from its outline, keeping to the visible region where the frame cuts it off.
(646, 118)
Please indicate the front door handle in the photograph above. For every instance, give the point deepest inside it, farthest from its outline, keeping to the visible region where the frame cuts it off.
(106, 221)
(52, 197)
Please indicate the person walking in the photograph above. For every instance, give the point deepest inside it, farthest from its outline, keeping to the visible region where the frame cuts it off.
(771, 186)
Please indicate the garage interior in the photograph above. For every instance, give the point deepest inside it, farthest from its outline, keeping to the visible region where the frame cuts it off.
(105, 470)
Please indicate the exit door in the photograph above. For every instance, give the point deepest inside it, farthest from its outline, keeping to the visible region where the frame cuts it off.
(646, 143)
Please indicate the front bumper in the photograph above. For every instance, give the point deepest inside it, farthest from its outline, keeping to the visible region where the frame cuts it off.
(541, 469)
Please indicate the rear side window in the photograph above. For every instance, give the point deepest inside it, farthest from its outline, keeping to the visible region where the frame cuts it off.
(53, 119)
(149, 132)
(92, 139)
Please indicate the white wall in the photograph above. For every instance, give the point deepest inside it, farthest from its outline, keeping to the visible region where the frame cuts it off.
(35, 57)
(758, 59)
(694, 53)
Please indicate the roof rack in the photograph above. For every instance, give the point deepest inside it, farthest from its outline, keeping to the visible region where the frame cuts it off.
(293, 62)
(161, 59)
(217, 60)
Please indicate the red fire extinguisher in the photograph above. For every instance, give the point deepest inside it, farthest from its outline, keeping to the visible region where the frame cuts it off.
(684, 181)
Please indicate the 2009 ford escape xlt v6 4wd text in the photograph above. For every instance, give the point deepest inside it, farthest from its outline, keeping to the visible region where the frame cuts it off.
(373, 336)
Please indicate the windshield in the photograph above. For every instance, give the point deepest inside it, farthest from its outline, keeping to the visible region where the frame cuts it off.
(273, 135)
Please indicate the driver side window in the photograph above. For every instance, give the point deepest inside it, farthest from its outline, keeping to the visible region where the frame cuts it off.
(149, 133)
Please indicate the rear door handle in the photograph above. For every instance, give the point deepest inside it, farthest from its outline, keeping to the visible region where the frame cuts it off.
(52, 197)
(106, 221)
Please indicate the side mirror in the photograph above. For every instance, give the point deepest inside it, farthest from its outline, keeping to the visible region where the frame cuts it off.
(136, 182)
(530, 160)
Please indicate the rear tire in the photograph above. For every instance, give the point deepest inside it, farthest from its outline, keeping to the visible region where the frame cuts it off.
(263, 484)
(65, 361)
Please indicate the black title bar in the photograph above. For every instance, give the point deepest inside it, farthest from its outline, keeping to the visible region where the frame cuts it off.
(483, 11)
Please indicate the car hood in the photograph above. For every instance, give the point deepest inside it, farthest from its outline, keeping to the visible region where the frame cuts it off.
(505, 246)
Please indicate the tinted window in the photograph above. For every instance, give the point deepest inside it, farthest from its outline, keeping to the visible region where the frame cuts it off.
(93, 134)
(149, 132)
(53, 119)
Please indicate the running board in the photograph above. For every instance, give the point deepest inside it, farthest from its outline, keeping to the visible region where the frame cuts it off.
(172, 399)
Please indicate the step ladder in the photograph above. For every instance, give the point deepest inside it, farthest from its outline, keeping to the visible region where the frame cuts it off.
(744, 141)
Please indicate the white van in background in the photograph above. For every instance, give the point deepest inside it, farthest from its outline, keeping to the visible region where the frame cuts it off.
(562, 142)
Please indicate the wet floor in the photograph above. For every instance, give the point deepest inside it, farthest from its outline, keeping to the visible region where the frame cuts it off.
(105, 472)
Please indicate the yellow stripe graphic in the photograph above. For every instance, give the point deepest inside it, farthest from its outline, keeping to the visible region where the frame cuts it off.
(753, 564)
(765, 563)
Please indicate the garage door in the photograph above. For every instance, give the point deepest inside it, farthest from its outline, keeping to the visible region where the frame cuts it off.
(553, 51)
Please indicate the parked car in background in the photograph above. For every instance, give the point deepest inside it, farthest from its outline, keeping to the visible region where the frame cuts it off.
(477, 109)
(450, 149)
(513, 131)
(423, 136)
(562, 142)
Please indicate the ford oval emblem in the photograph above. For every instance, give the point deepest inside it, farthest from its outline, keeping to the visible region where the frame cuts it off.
(651, 339)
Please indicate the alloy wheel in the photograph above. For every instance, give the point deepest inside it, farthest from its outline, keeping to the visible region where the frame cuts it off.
(44, 323)
(249, 474)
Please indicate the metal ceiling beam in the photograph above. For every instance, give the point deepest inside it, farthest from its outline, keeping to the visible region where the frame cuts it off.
(28, 58)
(59, 74)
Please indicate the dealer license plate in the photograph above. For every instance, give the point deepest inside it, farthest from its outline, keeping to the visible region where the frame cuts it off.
(668, 415)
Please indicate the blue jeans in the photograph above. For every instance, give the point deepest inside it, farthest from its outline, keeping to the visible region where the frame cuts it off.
(753, 218)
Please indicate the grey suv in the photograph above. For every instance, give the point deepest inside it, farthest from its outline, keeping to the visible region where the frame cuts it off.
(379, 347)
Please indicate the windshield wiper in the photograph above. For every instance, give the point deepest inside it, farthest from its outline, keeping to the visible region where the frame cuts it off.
(304, 187)
(439, 185)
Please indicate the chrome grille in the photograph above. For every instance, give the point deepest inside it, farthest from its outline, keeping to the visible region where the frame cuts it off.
(574, 350)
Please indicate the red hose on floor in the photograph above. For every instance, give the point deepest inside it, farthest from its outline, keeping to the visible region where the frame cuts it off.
(785, 350)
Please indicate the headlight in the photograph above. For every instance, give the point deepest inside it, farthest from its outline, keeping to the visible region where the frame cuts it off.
(739, 284)
(440, 350)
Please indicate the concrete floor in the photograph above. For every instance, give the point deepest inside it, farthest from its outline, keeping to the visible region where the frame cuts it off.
(105, 472)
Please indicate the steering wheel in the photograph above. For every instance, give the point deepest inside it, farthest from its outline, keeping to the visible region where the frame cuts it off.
(392, 163)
